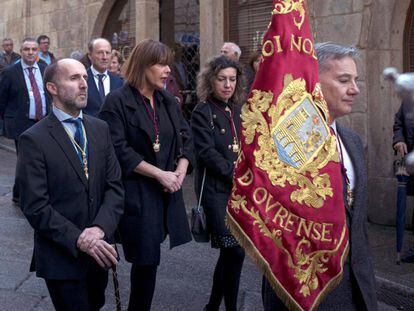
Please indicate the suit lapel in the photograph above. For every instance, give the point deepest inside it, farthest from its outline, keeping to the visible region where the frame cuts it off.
(92, 88)
(61, 137)
(21, 80)
(357, 162)
(138, 119)
(112, 84)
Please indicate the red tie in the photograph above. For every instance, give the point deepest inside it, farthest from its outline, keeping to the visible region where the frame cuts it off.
(36, 95)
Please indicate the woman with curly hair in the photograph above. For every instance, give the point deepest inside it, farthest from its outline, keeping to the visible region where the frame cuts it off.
(215, 124)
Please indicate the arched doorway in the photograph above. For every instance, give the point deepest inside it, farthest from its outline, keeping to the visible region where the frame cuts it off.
(119, 27)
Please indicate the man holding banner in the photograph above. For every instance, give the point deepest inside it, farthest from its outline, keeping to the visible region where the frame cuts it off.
(298, 204)
(356, 291)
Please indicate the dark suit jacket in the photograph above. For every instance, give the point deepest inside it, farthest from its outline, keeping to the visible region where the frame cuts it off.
(143, 224)
(213, 153)
(94, 99)
(14, 101)
(57, 199)
(359, 257)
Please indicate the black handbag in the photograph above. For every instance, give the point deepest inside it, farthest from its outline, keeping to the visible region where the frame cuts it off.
(198, 219)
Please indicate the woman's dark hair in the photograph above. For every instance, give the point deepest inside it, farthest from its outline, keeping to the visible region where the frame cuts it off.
(210, 71)
(146, 53)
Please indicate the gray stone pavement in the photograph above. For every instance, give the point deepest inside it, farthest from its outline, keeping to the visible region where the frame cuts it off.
(185, 274)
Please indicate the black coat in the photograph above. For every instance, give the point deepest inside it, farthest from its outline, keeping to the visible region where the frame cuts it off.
(15, 102)
(94, 99)
(143, 225)
(214, 152)
(59, 201)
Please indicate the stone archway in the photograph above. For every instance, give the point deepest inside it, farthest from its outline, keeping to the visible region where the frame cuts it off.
(386, 21)
(102, 17)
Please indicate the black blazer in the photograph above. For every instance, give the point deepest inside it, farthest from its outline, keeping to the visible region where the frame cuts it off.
(59, 201)
(142, 226)
(360, 255)
(14, 101)
(94, 99)
(214, 152)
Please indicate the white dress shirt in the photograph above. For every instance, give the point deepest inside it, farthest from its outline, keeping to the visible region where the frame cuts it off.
(350, 172)
(106, 80)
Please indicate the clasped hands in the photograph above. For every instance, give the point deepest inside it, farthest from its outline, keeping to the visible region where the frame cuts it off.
(171, 181)
(91, 242)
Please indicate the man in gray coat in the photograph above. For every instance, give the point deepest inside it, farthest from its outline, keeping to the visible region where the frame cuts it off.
(357, 290)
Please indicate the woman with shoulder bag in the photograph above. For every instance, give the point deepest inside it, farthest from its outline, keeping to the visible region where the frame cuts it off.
(153, 144)
(215, 125)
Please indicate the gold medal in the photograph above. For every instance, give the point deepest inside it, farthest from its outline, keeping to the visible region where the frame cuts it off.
(156, 145)
(349, 196)
(235, 145)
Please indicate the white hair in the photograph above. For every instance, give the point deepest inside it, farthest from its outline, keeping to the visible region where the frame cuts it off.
(236, 49)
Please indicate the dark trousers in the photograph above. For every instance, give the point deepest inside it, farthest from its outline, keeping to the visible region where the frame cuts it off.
(226, 279)
(345, 297)
(142, 287)
(87, 294)
(16, 194)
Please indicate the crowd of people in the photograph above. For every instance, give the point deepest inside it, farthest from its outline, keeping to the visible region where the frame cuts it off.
(103, 150)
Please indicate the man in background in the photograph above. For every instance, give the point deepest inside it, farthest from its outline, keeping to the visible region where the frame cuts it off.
(231, 50)
(44, 54)
(8, 57)
(100, 80)
(23, 101)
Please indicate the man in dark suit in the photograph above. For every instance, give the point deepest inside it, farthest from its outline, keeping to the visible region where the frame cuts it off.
(22, 98)
(357, 290)
(100, 80)
(8, 57)
(71, 193)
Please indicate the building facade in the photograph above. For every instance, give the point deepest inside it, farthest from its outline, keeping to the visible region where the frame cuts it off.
(382, 29)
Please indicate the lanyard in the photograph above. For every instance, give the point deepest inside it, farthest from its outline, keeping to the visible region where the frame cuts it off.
(349, 192)
(156, 145)
(84, 158)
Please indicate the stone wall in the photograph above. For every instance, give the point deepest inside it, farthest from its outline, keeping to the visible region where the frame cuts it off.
(376, 28)
(67, 23)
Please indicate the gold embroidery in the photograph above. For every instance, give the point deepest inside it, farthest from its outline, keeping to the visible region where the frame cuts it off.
(289, 6)
(313, 186)
(246, 179)
(307, 266)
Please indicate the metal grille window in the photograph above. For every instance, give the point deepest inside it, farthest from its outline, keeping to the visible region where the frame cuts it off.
(180, 29)
(246, 23)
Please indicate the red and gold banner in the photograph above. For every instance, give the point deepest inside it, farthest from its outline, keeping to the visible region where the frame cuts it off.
(286, 207)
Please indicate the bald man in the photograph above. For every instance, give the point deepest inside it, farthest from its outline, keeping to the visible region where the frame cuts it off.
(71, 193)
(100, 80)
